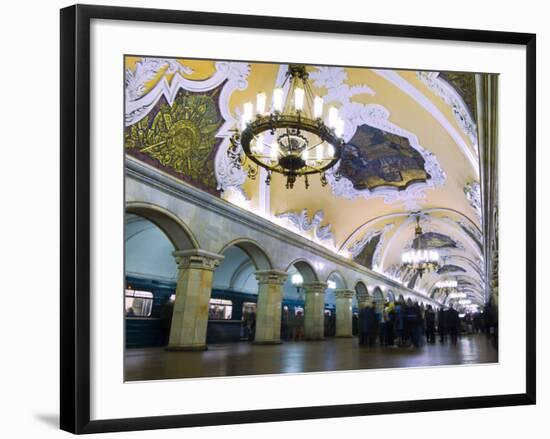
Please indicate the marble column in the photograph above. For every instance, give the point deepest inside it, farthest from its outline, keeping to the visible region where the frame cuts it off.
(314, 312)
(344, 313)
(193, 289)
(268, 311)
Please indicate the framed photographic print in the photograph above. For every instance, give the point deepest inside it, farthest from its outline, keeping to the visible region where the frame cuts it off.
(270, 218)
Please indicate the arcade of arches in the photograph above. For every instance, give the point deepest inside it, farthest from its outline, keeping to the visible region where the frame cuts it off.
(228, 275)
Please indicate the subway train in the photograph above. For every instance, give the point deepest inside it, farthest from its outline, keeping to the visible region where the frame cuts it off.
(148, 311)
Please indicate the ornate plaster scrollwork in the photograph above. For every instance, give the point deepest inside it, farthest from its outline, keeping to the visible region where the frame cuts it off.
(333, 79)
(378, 117)
(452, 99)
(301, 222)
(146, 70)
(473, 194)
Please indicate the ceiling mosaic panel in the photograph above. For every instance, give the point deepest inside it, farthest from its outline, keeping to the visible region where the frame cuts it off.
(450, 268)
(435, 240)
(365, 257)
(374, 158)
(180, 139)
(465, 85)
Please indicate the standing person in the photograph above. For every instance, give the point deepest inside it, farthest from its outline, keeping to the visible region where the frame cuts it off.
(251, 325)
(430, 324)
(299, 334)
(363, 326)
(415, 324)
(442, 325)
(166, 321)
(400, 322)
(453, 324)
(332, 324)
(372, 325)
(390, 324)
(284, 324)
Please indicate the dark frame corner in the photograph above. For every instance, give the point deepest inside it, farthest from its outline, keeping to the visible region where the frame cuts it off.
(75, 217)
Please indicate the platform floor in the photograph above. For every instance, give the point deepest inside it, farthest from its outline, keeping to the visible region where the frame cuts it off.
(294, 357)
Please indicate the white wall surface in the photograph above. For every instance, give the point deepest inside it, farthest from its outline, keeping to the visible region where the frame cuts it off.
(30, 205)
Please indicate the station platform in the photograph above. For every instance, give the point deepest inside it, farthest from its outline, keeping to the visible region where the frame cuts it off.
(332, 354)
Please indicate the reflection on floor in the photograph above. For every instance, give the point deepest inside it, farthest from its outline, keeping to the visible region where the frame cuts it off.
(294, 357)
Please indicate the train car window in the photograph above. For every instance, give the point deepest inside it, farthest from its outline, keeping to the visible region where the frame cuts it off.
(220, 309)
(138, 303)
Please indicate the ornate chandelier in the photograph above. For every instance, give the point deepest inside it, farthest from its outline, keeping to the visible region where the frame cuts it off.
(419, 258)
(292, 138)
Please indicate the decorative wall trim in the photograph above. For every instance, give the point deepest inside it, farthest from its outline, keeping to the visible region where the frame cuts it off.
(449, 95)
(333, 79)
(302, 223)
(473, 194)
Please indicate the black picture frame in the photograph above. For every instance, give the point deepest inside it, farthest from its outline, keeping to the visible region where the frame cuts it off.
(75, 217)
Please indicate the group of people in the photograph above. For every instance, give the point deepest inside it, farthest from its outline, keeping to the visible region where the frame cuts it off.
(406, 324)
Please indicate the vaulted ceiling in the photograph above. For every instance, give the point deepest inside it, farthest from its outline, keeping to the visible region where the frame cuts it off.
(411, 147)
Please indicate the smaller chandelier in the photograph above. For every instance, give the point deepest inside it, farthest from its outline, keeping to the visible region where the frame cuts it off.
(449, 283)
(420, 259)
(457, 295)
(295, 137)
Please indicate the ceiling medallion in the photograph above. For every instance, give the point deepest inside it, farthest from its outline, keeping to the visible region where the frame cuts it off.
(292, 138)
(420, 259)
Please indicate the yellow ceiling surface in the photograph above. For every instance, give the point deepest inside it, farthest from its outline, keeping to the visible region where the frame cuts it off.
(424, 109)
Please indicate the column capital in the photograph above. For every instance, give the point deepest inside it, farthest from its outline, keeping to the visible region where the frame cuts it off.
(314, 287)
(364, 298)
(275, 277)
(197, 259)
(344, 293)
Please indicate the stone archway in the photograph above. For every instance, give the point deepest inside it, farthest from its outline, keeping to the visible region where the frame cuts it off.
(269, 287)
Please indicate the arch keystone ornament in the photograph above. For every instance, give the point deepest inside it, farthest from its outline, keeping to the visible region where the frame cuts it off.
(193, 290)
(270, 298)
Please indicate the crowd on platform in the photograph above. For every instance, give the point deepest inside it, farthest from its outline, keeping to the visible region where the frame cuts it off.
(397, 324)
(409, 324)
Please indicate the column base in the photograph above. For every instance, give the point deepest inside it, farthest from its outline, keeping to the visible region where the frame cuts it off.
(187, 348)
(344, 336)
(267, 342)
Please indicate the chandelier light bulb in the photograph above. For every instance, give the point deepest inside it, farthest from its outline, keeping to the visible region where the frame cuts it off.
(339, 127)
(305, 155)
(278, 99)
(247, 112)
(259, 144)
(260, 103)
(274, 150)
(332, 117)
(319, 152)
(299, 99)
(317, 107)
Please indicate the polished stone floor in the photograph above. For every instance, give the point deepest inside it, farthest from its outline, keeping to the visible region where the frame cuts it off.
(294, 357)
